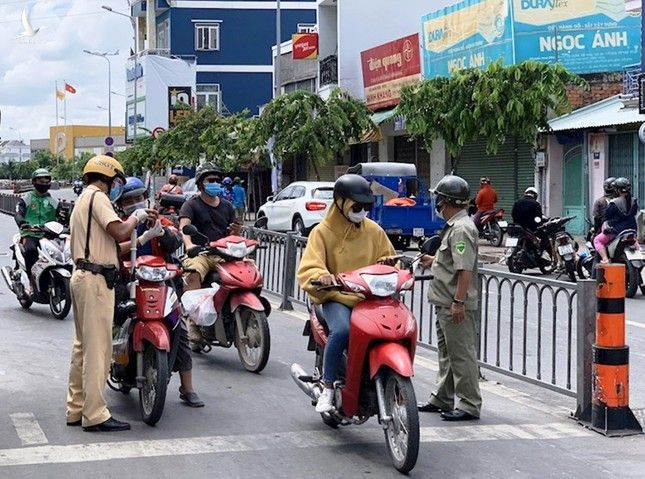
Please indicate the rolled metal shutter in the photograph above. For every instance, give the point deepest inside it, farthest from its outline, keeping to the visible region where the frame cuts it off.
(621, 158)
(406, 151)
(511, 173)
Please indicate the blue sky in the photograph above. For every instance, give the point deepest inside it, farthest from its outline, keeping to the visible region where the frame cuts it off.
(28, 70)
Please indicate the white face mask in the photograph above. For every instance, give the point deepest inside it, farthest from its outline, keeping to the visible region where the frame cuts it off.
(357, 217)
(128, 210)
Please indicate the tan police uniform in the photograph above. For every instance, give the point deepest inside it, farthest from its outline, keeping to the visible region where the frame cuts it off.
(93, 304)
(458, 369)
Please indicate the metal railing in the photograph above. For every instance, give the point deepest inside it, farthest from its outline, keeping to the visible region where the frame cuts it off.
(329, 70)
(535, 329)
(8, 204)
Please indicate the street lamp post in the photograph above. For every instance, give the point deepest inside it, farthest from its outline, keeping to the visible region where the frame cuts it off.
(105, 56)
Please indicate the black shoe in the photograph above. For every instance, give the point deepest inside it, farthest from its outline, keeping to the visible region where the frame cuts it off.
(74, 423)
(458, 415)
(111, 425)
(428, 407)
(191, 399)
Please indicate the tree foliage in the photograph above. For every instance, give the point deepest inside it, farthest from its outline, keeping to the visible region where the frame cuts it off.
(138, 157)
(493, 104)
(304, 126)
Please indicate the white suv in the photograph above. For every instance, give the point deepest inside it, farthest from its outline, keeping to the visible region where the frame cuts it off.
(299, 207)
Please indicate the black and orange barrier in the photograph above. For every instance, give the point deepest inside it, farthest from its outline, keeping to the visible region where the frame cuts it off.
(609, 413)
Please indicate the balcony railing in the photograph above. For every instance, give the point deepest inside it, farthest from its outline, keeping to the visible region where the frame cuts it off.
(329, 70)
(630, 79)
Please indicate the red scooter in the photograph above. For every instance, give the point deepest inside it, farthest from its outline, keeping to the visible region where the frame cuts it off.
(382, 343)
(242, 311)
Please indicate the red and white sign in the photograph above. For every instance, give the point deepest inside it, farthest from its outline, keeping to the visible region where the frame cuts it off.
(388, 68)
(305, 46)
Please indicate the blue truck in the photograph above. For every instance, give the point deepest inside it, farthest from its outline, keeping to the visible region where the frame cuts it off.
(403, 208)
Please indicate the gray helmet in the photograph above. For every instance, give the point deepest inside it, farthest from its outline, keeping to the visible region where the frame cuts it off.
(353, 187)
(454, 189)
(207, 169)
(622, 185)
(608, 185)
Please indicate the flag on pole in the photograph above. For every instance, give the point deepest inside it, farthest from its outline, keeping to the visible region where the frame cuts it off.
(60, 95)
(70, 88)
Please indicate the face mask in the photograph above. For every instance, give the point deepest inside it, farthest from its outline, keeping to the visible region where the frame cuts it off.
(42, 188)
(439, 209)
(357, 217)
(128, 210)
(213, 189)
(116, 190)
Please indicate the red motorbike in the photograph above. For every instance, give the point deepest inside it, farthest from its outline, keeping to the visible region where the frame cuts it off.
(242, 311)
(380, 356)
(147, 326)
(492, 227)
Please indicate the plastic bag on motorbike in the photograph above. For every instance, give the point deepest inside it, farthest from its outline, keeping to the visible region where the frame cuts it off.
(199, 305)
(120, 336)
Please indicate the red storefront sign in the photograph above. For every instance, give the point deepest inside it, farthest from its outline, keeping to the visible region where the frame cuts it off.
(305, 46)
(388, 68)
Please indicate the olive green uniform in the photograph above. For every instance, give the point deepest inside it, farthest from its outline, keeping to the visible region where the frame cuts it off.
(458, 369)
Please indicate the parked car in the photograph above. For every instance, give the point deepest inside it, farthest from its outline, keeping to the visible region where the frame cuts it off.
(299, 207)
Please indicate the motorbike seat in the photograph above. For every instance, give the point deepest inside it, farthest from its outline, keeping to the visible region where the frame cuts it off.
(320, 316)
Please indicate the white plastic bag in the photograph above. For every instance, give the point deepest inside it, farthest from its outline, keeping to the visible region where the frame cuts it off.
(199, 305)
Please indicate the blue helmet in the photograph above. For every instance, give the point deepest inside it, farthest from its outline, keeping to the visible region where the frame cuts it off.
(227, 181)
(133, 187)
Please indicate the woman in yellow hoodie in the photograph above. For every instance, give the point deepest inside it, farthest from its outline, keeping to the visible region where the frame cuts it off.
(344, 241)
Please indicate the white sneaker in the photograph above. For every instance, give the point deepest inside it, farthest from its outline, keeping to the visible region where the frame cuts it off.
(325, 401)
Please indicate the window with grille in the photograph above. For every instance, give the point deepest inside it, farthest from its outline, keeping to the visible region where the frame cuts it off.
(207, 36)
(163, 35)
(209, 94)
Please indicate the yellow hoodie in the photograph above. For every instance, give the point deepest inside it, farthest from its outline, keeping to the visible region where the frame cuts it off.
(338, 246)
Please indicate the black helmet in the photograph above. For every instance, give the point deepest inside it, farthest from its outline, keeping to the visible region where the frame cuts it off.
(608, 185)
(207, 169)
(622, 185)
(353, 187)
(454, 188)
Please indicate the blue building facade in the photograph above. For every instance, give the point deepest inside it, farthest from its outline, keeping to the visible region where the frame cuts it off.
(232, 42)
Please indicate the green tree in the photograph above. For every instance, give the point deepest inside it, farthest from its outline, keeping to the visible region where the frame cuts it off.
(303, 126)
(138, 157)
(494, 104)
(231, 141)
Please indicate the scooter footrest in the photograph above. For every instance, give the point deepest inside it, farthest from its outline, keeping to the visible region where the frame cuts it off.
(307, 379)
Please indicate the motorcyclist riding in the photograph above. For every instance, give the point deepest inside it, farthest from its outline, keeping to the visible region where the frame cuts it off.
(160, 238)
(620, 216)
(345, 240)
(600, 205)
(35, 208)
(524, 213)
(485, 201)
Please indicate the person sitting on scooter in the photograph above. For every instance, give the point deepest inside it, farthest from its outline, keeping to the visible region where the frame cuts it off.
(345, 240)
(600, 205)
(485, 201)
(159, 238)
(35, 208)
(214, 217)
(620, 216)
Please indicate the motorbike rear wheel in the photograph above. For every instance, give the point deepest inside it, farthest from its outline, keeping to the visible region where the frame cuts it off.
(514, 262)
(495, 234)
(254, 352)
(402, 434)
(60, 297)
(585, 267)
(152, 395)
(632, 279)
(570, 268)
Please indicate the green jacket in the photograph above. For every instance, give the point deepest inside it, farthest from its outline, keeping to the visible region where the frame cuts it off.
(34, 209)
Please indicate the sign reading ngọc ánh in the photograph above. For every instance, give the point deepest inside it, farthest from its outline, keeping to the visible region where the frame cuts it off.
(304, 46)
(389, 67)
(178, 99)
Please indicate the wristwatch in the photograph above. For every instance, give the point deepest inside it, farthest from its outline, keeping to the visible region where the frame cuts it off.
(456, 301)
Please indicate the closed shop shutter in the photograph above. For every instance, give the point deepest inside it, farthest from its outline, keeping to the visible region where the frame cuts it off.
(509, 172)
(621, 158)
(406, 151)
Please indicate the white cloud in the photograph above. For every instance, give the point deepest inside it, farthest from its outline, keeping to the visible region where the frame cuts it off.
(28, 70)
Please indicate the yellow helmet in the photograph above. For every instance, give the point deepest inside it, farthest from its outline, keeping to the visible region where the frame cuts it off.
(104, 165)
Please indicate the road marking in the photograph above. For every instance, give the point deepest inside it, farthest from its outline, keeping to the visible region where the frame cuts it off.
(28, 429)
(634, 323)
(77, 453)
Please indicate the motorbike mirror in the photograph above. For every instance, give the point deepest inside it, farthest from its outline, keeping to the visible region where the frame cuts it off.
(431, 245)
(538, 219)
(190, 230)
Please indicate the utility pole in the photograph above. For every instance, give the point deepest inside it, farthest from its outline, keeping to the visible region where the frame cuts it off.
(278, 37)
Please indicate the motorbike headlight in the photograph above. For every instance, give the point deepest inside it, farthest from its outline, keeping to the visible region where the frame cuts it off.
(54, 253)
(236, 250)
(382, 285)
(156, 275)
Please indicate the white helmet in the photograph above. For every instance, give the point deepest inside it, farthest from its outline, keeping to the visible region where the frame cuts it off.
(531, 191)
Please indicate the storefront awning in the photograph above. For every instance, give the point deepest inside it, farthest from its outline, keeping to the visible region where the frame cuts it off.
(383, 116)
(613, 111)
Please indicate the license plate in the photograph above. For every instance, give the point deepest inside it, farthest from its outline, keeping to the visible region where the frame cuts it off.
(503, 224)
(418, 232)
(630, 254)
(565, 249)
(512, 242)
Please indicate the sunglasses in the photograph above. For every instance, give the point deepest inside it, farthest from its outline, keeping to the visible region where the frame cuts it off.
(212, 179)
(358, 207)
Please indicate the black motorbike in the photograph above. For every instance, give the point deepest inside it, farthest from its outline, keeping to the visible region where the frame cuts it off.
(78, 189)
(586, 259)
(550, 248)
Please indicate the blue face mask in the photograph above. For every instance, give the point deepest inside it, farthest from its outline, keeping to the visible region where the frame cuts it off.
(213, 189)
(116, 190)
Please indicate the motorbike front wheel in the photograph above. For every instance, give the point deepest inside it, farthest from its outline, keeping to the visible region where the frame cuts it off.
(255, 348)
(495, 234)
(402, 432)
(60, 297)
(152, 395)
(585, 267)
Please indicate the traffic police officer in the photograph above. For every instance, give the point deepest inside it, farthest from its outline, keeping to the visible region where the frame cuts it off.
(453, 292)
(95, 230)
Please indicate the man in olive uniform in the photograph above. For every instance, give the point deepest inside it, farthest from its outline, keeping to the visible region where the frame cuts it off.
(453, 292)
(95, 231)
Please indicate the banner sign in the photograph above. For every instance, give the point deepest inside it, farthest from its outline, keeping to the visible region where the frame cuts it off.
(389, 67)
(586, 36)
(469, 34)
(304, 46)
(178, 99)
